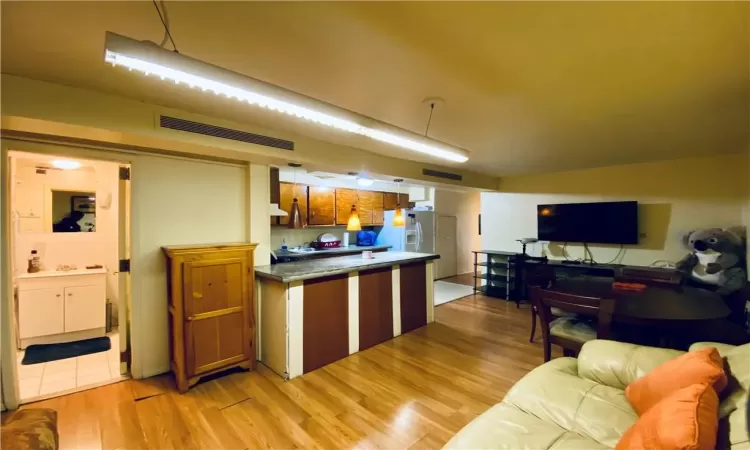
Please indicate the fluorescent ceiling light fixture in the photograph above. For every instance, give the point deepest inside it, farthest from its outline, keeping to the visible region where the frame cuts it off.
(66, 164)
(364, 181)
(150, 59)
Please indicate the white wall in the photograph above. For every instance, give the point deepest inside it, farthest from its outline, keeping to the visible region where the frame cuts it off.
(176, 202)
(466, 207)
(79, 249)
(674, 197)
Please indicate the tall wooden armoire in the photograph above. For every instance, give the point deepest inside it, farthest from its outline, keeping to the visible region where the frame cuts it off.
(211, 309)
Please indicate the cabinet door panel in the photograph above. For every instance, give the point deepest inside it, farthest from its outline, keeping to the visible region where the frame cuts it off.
(378, 210)
(365, 207)
(345, 198)
(217, 328)
(85, 308)
(288, 192)
(403, 200)
(390, 201)
(40, 312)
(322, 205)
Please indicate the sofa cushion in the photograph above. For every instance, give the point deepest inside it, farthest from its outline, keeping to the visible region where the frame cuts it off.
(687, 419)
(618, 364)
(702, 366)
(506, 427)
(555, 393)
(31, 429)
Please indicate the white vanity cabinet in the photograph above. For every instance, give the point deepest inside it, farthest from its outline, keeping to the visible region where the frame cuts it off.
(61, 306)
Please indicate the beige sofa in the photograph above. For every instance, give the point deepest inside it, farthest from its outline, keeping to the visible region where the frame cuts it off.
(571, 403)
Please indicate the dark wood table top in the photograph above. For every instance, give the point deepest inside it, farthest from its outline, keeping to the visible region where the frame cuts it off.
(662, 304)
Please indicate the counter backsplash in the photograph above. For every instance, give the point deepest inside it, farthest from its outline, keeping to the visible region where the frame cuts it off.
(295, 238)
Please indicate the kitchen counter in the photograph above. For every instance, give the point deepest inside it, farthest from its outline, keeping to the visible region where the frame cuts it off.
(314, 312)
(317, 268)
(338, 251)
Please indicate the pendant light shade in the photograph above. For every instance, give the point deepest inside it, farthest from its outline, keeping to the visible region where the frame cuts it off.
(398, 218)
(295, 217)
(353, 224)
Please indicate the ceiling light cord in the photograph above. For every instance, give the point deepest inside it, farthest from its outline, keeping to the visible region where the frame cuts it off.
(166, 28)
(166, 23)
(429, 119)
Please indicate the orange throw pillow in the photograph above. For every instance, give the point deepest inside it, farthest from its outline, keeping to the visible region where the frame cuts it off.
(702, 366)
(686, 420)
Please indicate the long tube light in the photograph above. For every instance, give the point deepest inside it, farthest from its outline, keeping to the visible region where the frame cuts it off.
(150, 59)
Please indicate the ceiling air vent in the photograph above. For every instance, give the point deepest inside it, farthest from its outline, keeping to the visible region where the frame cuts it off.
(439, 174)
(189, 126)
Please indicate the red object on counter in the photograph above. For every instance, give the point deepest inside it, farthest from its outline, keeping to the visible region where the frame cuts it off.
(628, 286)
(323, 245)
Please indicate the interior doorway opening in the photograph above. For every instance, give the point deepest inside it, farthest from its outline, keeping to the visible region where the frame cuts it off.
(69, 247)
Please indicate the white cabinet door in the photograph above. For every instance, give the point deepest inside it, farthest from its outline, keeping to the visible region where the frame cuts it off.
(85, 308)
(40, 312)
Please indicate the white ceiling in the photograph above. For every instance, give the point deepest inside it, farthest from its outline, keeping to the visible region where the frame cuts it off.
(529, 86)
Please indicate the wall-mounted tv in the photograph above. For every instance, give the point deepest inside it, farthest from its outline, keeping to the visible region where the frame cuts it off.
(596, 223)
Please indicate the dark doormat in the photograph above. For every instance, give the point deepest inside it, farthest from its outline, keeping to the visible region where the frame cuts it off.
(41, 353)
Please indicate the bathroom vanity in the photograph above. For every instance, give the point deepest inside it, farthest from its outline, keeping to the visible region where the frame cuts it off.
(61, 306)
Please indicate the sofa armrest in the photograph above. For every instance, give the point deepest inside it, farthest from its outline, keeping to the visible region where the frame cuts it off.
(723, 349)
(618, 364)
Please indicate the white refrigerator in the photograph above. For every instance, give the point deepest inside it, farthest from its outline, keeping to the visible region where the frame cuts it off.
(417, 236)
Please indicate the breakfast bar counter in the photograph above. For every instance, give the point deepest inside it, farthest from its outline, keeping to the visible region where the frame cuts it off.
(312, 313)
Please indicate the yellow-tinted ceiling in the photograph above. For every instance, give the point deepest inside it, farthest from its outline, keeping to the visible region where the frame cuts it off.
(529, 86)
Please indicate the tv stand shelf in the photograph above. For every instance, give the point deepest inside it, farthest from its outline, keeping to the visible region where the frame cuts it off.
(499, 275)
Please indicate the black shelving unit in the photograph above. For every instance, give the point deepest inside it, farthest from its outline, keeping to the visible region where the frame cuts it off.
(499, 274)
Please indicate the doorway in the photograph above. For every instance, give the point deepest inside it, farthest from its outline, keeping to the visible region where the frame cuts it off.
(68, 229)
(447, 265)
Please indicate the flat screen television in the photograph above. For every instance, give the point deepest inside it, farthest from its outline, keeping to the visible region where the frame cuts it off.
(596, 223)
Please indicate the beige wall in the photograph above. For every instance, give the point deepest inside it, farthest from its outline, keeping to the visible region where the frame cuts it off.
(674, 196)
(130, 122)
(466, 207)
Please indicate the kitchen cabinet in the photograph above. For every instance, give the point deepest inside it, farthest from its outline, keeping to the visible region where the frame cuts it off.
(321, 205)
(345, 198)
(58, 307)
(288, 192)
(365, 207)
(403, 200)
(211, 309)
(390, 201)
(378, 208)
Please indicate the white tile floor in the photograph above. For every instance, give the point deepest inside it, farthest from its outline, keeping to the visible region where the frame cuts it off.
(55, 376)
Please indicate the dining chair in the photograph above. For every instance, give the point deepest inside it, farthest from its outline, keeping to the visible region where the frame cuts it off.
(571, 332)
(542, 276)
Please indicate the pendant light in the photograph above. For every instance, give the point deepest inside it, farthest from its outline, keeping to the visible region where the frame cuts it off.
(398, 217)
(296, 221)
(354, 223)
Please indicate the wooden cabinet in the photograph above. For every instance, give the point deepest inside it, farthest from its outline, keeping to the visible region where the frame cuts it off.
(365, 207)
(211, 308)
(345, 198)
(403, 200)
(378, 209)
(322, 205)
(390, 201)
(288, 192)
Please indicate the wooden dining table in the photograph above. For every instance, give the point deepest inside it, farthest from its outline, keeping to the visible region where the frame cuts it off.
(654, 305)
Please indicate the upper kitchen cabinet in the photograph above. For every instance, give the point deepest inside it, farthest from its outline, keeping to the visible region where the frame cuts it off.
(322, 206)
(345, 198)
(403, 200)
(378, 207)
(365, 207)
(288, 192)
(390, 200)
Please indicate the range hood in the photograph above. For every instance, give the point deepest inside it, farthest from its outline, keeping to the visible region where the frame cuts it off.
(274, 210)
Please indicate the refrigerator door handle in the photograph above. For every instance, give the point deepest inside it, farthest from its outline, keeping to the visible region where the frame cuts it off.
(419, 236)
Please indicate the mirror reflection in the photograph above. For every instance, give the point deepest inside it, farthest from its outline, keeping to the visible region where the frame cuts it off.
(73, 211)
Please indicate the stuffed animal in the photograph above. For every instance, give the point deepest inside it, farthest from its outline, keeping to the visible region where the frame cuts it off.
(717, 256)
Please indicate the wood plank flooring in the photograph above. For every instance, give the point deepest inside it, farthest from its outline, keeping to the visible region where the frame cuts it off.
(415, 391)
(464, 278)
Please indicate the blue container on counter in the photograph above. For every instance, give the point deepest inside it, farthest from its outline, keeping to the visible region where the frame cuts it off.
(366, 238)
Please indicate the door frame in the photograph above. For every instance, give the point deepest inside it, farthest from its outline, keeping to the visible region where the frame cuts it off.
(8, 332)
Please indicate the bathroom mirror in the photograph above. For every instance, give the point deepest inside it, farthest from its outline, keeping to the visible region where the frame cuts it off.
(73, 211)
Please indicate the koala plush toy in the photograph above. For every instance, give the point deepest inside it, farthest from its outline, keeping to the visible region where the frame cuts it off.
(717, 256)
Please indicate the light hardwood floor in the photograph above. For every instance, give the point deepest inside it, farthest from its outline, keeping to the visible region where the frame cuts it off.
(415, 391)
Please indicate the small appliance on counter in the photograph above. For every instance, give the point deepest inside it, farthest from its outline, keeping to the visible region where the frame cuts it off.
(325, 241)
(366, 238)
